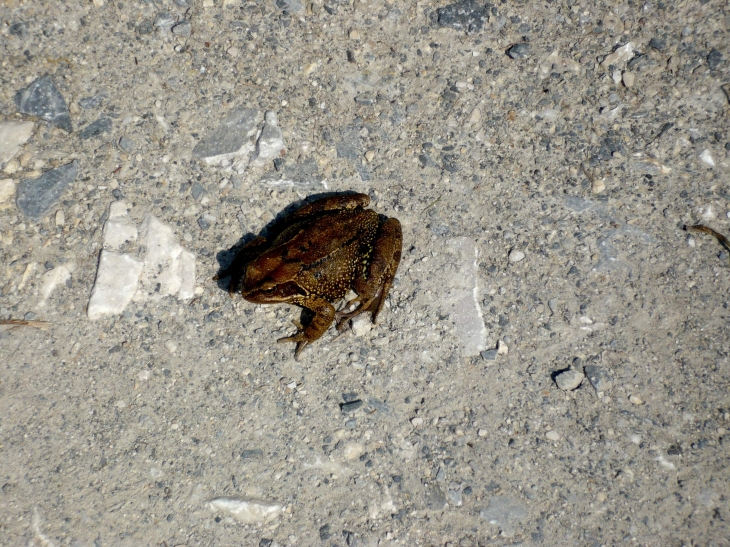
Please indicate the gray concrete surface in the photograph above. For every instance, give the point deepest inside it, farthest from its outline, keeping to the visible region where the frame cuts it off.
(543, 159)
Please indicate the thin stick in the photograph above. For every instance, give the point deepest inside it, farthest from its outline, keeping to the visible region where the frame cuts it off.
(22, 323)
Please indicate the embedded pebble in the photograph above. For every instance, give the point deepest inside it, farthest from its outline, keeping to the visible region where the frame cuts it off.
(42, 99)
(115, 285)
(270, 144)
(459, 297)
(552, 435)
(463, 15)
(516, 256)
(635, 399)
(232, 138)
(94, 129)
(119, 228)
(569, 380)
(353, 451)
(247, 511)
(171, 346)
(417, 421)
(13, 135)
(599, 378)
(506, 513)
(519, 51)
(620, 56)
(629, 79)
(52, 279)
(706, 158)
(7, 189)
(168, 268)
(361, 324)
(35, 197)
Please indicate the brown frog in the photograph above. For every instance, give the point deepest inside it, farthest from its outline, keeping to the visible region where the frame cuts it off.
(316, 255)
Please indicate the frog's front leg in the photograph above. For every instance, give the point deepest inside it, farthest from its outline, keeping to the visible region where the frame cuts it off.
(373, 284)
(324, 314)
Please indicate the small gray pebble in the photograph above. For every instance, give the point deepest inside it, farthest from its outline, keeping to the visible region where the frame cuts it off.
(204, 223)
(519, 51)
(489, 355)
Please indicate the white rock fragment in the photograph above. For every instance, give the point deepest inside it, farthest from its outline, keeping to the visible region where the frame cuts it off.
(616, 77)
(7, 189)
(115, 285)
(168, 268)
(619, 57)
(231, 139)
(461, 298)
(502, 348)
(120, 228)
(666, 464)
(52, 279)
(39, 539)
(353, 451)
(247, 511)
(629, 79)
(706, 158)
(270, 144)
(361, 324)
(569, 380)
(474, 117)
(516, 256)
(417, 421)
(60, 218)
(636, 400)
(13, 135)
(552, 435)
(171, 346)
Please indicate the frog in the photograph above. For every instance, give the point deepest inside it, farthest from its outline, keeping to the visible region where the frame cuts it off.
(314, 257)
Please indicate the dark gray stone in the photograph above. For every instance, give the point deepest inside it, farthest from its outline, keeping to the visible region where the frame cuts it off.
(252, 454)
(126, 143)
(599, 378)
(660, 44)
(164, 21)
(466, 15)
(197, 190)
(489, 355)
(348, 146)
(324, 532)
(230, 135)
(88, 103)
(19, 29)
(351, 406)
(204, 223)
(36, 196)
(434, 498)
(714, 59)
(291, 6)
(519, 51)
(42, 99)
(94, 129)
(183, 28)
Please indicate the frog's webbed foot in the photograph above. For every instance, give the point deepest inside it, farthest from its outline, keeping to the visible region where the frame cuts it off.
(301, 341)
(324, 314)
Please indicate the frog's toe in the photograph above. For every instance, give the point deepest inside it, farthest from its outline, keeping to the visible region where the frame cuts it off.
(301, 341)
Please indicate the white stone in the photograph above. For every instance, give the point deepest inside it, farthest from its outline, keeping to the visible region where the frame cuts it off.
(361, 324)
(622, 55)
(353, 451)
(120, 228)
(60, 218)
(247, 511)
(552, 435)
(569, 380)
(706, 158)
(502, 348)
(115, 285)
(168, 268)
(270, 143)
(52, 279)
(516, 256)
(616, 77)
(417, 421)
(7, 189)
(636, 400)
(171, 346)
(460, 297)
(13, 135)
(629, 79)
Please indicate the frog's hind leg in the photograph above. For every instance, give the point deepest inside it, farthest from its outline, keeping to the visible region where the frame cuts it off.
(237, 268)
(372, 287)
(324, 314)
